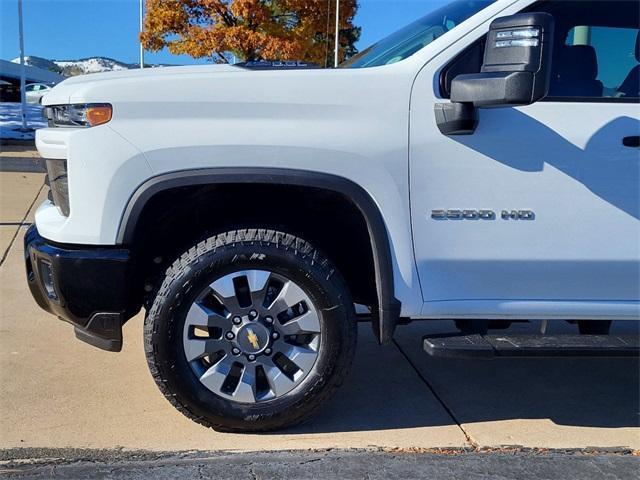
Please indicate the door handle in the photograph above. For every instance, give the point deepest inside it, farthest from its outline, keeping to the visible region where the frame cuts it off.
(632, 141)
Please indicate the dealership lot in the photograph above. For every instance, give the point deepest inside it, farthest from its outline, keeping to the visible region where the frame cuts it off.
(59, 392)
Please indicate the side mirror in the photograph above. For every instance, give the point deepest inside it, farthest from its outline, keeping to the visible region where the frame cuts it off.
(516, 71)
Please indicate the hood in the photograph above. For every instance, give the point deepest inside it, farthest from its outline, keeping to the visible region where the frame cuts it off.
(69, 90)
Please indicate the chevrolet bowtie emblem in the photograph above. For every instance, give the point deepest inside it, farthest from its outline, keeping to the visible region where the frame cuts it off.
(253, 339)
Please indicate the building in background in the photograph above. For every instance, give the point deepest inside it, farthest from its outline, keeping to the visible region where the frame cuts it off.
(10, 76)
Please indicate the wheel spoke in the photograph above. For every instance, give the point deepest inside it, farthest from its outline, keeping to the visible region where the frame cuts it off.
(257, 279)
(195, 348)
(302, 357)
(278, 381)
(305, 323)
(246, 390)
(215, 376)
(201, 316)
(225, 287)
(290, 295)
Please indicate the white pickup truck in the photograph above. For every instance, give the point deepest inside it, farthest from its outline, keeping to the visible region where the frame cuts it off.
(256, 211)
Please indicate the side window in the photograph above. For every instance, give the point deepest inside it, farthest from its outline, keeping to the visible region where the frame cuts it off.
(29, 88)
(596, 52)
(597, 62)
(469, 61)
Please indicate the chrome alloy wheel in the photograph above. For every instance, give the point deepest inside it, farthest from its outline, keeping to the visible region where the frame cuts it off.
(252, 336)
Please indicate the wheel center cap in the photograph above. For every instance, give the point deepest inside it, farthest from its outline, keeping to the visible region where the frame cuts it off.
(253, 338)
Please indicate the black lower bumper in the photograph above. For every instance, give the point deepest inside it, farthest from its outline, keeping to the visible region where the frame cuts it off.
(93, 288)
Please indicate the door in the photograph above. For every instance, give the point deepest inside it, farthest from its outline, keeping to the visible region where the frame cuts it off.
(542, 202)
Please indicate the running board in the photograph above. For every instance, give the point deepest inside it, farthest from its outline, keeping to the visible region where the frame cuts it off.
(488, 346)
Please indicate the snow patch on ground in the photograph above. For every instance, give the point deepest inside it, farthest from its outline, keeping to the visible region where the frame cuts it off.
(11, 121)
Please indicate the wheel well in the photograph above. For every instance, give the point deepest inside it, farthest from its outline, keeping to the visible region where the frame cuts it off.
(174, 219)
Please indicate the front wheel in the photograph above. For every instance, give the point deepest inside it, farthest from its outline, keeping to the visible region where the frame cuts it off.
(252, 330)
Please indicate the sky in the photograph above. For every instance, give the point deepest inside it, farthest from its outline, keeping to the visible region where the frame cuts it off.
(72, 29)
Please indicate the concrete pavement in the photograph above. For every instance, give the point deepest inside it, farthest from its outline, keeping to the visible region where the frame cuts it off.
(19, 192)
(59, 392)
(536, 402)
(19, 150)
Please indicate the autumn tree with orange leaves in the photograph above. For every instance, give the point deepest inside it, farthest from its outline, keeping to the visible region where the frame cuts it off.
(251, 29)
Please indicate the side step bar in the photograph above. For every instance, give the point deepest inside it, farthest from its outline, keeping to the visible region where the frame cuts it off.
(489, 346)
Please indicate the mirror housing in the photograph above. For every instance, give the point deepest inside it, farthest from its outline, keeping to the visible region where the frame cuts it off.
(517, 64)
(516, 71)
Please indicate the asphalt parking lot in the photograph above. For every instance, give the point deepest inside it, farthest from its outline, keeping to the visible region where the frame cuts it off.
(60, 394)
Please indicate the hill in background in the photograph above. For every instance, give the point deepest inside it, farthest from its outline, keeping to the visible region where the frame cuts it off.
(70, 68)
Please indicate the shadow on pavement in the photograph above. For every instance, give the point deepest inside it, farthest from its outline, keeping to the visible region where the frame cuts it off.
(21, 164)
(382, 394)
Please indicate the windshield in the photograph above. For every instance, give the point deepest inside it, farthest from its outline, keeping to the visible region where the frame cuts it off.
(416, 35)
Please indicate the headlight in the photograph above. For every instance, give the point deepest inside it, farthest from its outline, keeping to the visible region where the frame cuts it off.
(84, 115)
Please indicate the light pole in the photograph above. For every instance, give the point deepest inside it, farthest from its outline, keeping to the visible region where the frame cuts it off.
(337, 46)
(141, 28)
(23, 73)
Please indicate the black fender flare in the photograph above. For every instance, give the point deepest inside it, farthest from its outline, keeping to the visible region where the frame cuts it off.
(388, 307)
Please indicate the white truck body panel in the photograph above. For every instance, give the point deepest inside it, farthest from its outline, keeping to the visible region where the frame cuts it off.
(376, 127)
(564, 161)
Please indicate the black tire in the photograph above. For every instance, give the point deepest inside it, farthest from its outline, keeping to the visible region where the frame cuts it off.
(594, 327)
(285, 255)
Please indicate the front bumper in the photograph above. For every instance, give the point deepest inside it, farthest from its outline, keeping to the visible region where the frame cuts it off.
(93, 288)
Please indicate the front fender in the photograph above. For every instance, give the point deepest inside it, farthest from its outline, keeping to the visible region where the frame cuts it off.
(388, 306)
